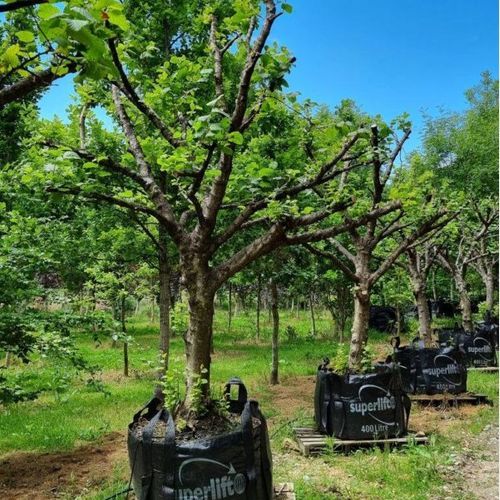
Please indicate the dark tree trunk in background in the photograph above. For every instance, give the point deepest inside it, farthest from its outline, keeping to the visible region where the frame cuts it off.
(489, 284)
(485, 270)
(259, 291)
(276, 327)
(458, 271)
(229, 307)
(164, 279)
(398, 320)
(311, 309)
(124, 332)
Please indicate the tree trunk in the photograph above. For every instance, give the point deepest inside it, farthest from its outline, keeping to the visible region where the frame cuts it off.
(359, 330)
(276, 326)
(229, 308)
(311, 309)
(259, 291)
(164, 279)
(152, 311)
(424, 316)
(8, 359)
(490, 292)
(124, 332)
(398, 320)
(489, 285)
(418, 276)
(199, 334)
(434, 290)
(466, 308)
(465, 304)
(420, 294)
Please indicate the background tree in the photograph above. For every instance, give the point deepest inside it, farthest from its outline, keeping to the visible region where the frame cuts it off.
(356, 258)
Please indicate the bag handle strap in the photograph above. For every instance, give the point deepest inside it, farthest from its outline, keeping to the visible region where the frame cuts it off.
(168, 455)
(151, 406)
(250, 409)
(236, 405)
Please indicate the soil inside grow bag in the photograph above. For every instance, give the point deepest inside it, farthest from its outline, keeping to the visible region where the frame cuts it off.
(209, 426)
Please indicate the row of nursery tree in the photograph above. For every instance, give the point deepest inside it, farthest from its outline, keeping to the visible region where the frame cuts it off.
(206, 176)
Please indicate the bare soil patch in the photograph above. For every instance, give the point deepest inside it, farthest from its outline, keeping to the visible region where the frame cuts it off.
(439, 420)
(292, 395)
(474, 472)
(39, 476)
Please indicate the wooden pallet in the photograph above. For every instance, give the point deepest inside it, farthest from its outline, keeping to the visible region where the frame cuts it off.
(284, 491)
(450, 399)
(489, 369)
(312, 442)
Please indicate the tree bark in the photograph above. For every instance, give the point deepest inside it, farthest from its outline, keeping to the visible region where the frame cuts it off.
(199, 334)
(313, 319)
(466, 309)
(490, 291)
(275, 338)
(489, 285)
(420, 294)
(229, 307)
(465, 304)
(434, 289)
(259, 291)
(164, 283)
(424, 316)
(124, 332)
(359, 332)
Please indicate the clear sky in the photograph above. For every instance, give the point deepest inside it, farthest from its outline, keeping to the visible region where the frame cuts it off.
(390, 56)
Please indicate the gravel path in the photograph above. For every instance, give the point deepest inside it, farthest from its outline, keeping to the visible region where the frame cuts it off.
(477, 468)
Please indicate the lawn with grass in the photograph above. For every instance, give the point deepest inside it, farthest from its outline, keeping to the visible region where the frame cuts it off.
(78, 414)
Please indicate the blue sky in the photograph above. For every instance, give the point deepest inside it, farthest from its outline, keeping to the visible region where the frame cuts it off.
(390, 56)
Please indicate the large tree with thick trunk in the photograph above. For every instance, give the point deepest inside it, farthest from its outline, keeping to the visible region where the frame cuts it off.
(212, 124)
(356, 255)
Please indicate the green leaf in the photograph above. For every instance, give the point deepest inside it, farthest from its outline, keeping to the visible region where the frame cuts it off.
(48, 11)
(118, 19)
(287, 8)
(266, 172)
(235, 138)
(77, 24)
(71, 155)
(25, 36)
(10, 55)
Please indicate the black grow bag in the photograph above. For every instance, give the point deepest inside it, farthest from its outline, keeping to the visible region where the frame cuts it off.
(432, 370)
(449, 336)
(479, 347)
(236, 465)
(361, 406)
(489, 327)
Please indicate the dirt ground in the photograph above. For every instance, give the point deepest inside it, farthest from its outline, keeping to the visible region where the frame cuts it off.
(41, 476)
(475, 471)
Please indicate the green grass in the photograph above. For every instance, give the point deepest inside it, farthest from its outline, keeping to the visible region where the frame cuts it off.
(79, 414)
